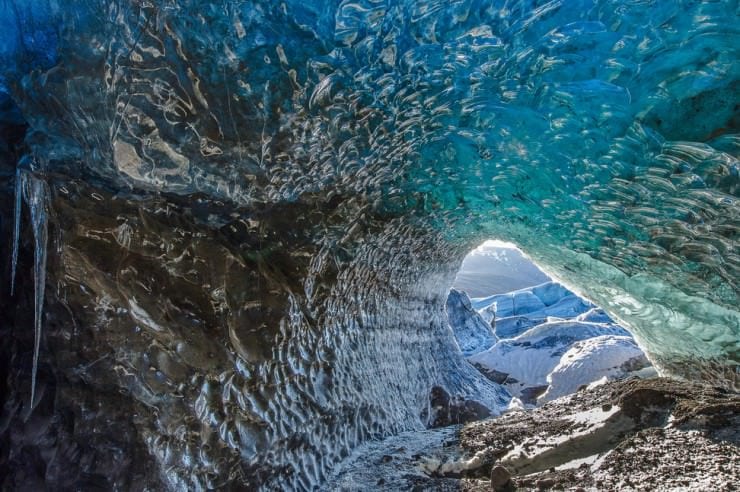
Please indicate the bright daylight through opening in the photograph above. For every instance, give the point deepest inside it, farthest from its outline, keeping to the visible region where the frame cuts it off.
(532, 335)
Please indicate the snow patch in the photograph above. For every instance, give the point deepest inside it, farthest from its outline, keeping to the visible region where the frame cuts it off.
(546, 342)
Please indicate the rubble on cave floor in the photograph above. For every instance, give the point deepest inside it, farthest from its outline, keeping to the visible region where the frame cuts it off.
(651, 434)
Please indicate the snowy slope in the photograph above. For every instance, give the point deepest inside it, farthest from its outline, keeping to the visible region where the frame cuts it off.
(529, 358)
(546, 341)
(605, 356)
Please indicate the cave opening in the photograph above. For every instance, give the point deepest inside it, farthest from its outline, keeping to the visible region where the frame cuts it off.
(496, 267)
(532, 335)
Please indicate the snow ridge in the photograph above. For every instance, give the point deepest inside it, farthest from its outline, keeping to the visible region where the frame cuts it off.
(543, 342)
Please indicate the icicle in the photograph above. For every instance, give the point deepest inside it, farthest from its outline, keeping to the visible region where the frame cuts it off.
(16, 227)
(35, 191)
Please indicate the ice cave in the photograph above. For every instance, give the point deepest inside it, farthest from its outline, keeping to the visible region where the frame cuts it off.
(229, 229)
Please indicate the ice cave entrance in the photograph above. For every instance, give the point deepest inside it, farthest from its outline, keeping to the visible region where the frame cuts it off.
(532, 335)
(496, 267)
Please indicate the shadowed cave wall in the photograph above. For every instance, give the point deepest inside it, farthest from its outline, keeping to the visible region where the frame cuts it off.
(254, 213)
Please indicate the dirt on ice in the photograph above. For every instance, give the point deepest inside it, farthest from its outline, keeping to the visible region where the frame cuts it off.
(652, 434)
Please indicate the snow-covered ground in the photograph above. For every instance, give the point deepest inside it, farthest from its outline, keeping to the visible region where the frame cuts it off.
(543, 342)
(608, 356)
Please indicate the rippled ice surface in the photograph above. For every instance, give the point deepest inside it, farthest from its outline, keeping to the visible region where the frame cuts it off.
(249, 214)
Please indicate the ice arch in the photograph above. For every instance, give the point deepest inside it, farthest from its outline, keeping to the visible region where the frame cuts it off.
(257, 208)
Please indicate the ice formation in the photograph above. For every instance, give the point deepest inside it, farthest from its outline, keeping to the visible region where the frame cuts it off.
(596, 359)
(255, 210)
(472, 332)
(35, 192)
(549, 342)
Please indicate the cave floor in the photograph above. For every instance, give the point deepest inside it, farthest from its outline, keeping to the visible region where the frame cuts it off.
(653, 434)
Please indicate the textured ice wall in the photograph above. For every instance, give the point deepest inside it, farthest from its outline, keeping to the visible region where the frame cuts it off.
(255, 210)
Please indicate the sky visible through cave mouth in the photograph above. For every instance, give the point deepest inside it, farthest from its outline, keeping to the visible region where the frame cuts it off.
(496, 267)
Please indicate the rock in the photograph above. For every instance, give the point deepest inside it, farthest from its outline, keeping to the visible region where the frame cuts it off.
(545, 483)
(500, 478)
(492, 374)
(530, 394)
(451, 411)
(625, 422)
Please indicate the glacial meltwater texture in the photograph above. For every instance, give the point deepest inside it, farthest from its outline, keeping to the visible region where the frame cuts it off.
(228, 228)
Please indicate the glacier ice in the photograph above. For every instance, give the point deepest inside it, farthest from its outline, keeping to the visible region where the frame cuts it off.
(255, 210)
(17, 194)
(602, 357)
(36, 198)
(548, 346)
(472, 332)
